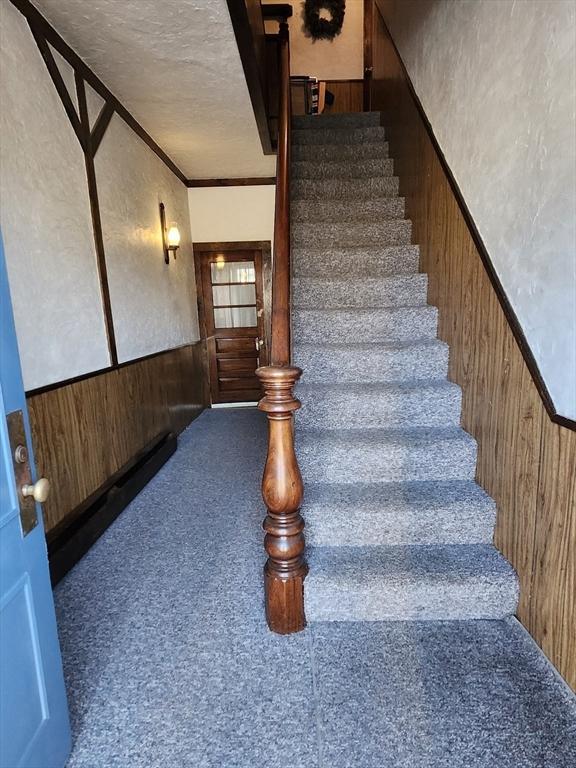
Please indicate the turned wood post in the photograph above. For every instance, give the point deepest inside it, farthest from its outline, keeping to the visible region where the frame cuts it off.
(282, 490)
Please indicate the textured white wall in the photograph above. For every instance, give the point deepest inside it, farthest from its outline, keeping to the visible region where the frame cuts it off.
(497, 79)
(45, 218)
(338, 59)
(232, 213)
(48, 236)
(153, 304)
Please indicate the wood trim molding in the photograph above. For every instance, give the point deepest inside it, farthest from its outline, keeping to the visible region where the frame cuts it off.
(368, 31)
(59, 84)
(96, 218)
(507, 308)
(41, 25)
(245, 182)
(234, 245)
(100, 371)
(247, 47)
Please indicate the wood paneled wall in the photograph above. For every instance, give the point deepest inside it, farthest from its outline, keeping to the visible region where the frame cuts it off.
(525, 461)
(348, 95)
(86, 432)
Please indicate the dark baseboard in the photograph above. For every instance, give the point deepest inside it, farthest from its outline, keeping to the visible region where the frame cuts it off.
(72, 543)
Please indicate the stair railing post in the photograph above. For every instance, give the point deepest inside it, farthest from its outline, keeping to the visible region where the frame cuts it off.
(282, 487)
(282, 490)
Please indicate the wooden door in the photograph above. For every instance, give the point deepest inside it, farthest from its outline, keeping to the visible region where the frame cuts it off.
(234, 320)
(34, 727)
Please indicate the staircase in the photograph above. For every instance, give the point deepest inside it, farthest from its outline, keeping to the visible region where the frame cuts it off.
(396, 527)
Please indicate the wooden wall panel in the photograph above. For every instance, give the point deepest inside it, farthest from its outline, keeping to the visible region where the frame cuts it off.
(525, 461)
(553, 605)
(87, 431)
(348, 95)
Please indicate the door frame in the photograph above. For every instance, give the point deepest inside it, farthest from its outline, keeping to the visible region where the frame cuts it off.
(265, 248)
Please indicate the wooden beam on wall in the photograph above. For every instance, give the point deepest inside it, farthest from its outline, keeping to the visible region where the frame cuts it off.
(248, 24)
(245, 182)
(41, 25)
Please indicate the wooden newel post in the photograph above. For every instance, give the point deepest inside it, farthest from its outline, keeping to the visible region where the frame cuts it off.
(282, 490)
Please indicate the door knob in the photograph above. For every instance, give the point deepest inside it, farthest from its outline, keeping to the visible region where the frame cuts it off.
(38, 490)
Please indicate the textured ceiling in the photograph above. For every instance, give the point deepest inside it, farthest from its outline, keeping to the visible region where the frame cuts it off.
(175, 66)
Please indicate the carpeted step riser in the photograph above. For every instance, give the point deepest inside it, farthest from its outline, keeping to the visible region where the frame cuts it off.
(471, 599)
(336, 120)
(341, 169)
(347, 461)
(345, 136)
(354, 408)
(350, 364)
(346, 527)
(397, 291)
(350, 262)
(314, 152)
(344, 189)
(364, 326)
(392, 232)
(353, 211)
(464, 581)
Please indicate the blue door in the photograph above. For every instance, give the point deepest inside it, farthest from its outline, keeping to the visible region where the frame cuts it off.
(34, 727)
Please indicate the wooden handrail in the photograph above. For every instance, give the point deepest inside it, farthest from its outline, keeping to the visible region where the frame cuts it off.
(280, 344)
(282, 487)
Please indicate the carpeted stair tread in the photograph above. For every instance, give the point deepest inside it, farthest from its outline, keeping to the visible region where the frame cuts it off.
(385, 455)
(390, 362)
(364, 325)
(376, 514)
(341, 169)
(339, 210)
(396, 525)
(375, 260)
(350, 406)
(338, 135)
(421, 582)
(331, 151)
(344, 189)
(396, 290)
(336, 120)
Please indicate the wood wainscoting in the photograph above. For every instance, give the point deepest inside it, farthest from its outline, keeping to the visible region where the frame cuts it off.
(526, 462)
(88, 432)
(348, 95)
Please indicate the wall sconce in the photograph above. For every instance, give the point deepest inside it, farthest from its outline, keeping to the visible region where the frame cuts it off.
(170, 237)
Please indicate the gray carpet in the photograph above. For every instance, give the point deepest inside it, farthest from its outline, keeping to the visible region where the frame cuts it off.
(379, 436)
(169, 664)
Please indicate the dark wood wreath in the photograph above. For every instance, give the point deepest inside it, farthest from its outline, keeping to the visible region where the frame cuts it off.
(319, 28)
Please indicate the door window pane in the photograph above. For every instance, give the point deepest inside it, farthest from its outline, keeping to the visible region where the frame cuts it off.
(235, 317)
(233, 272)
(233, 294)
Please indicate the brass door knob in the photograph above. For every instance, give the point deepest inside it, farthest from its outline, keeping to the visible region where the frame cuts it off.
(39, 490)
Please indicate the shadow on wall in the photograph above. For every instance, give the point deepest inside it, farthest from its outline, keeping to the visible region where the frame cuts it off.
(414, 12)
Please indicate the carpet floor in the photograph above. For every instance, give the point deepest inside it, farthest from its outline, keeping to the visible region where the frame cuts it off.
(169, 663)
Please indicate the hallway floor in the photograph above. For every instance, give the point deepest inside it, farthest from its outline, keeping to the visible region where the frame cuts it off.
(169, 663)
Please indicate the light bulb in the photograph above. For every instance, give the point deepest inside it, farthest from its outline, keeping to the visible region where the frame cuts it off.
(173, 236)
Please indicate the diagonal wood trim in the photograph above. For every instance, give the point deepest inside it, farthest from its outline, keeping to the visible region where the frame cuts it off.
(96, 219)
(250, 50)
(59, 84)
(254, 181)
(36, 20)
(102, 122)
(507, 308)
